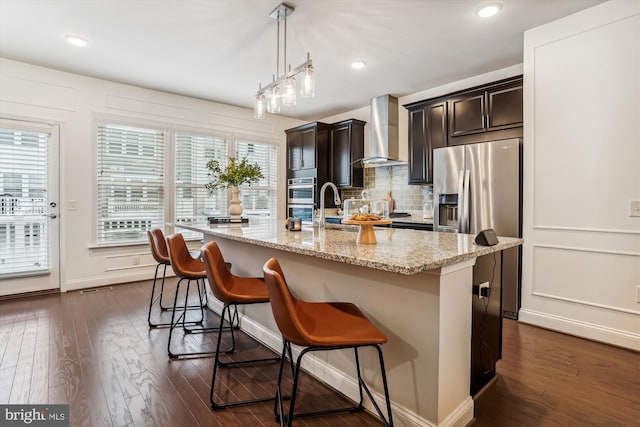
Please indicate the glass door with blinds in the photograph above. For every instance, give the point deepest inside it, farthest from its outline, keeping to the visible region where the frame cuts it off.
(29, 224)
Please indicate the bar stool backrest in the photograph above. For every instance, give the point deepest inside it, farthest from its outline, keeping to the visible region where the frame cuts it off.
(220, 278)
(158, 246)
(183, 264)
(283, 304)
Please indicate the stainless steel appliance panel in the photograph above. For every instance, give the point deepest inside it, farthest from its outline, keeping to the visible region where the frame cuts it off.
(494, 202)
(511, 273)
(448, 164)
(301, 190)
(486, 179)
(494, 187)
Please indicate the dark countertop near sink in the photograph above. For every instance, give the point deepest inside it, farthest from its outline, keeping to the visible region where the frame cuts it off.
(413, 219)
(403, 220)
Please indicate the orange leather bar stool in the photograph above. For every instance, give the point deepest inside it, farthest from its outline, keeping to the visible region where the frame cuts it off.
(160, 254)
(321, 326)
(231, 290)
(188, 268)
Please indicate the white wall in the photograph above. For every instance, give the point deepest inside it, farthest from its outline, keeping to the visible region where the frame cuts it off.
(39, 94)
(581, 167)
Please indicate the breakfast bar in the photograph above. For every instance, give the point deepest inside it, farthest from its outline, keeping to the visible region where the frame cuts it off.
(415, 286)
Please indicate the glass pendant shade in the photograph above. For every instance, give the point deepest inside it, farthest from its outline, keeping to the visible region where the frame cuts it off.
(258, 107)
(273, 104)
(308, 87)
(289, 92)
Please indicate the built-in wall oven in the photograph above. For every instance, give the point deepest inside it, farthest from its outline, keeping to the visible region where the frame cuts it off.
(304, 212)
(301, 197)
(301, 191)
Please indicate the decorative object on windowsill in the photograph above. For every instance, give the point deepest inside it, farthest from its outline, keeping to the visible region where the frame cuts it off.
(232, 176)
(283, 87)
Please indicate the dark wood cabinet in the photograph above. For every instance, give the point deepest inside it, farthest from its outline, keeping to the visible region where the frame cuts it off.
(327, 152)
(308, 150)
(468, 114)
(427, 131)
(347, 145)
(475, 113)
(479, 114)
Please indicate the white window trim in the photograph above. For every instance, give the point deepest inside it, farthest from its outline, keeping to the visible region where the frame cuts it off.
(170, 131)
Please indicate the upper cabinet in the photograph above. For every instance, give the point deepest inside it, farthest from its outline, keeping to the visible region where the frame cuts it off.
(307, 150)
(480, 114)
(427, 131)
(347, 146)
(474, 115)
(327, 152)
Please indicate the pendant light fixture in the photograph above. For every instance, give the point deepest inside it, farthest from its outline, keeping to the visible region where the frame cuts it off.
(258, 106)
(282, 89)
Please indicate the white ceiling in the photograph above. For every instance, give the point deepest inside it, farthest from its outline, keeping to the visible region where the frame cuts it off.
(220, 50)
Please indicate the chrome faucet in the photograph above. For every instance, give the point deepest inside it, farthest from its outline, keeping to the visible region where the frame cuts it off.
(336, 198)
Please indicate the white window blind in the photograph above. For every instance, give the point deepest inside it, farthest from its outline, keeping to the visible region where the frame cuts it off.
(130, 178)
(261, 198)
(23, 201)
(193, 202)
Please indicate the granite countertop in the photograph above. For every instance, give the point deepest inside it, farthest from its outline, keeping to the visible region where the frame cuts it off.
(399, 251)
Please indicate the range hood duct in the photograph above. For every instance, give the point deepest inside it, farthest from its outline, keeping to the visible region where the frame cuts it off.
(383, 134)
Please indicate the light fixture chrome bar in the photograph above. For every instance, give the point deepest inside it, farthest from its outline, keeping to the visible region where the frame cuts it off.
(294, 72)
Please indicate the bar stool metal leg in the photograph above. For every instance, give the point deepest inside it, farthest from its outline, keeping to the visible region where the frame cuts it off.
(219, 364)
(181, 320)
(154, 298)
(387, 420)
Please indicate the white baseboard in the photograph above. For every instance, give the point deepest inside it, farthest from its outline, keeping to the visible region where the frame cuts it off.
(581, 329)
(461, 416)
(94, 282)
(347, 384)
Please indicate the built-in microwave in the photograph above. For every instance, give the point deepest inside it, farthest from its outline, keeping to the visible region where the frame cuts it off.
(301, 191)
(304, 212)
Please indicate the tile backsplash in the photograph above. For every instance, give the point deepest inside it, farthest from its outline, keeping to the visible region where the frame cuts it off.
(382, 179)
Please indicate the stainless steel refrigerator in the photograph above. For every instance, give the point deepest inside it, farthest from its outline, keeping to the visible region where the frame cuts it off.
(478, 186)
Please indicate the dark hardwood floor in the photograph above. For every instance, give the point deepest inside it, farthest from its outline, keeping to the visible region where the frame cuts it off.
(94, 351)
(551, 379)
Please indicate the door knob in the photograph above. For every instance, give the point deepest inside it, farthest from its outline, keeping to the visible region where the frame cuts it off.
(53, 216)
(53, 204)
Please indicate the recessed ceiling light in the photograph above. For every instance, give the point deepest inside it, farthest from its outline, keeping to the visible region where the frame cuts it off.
(488, 10)
(358, 64)
(76, 41)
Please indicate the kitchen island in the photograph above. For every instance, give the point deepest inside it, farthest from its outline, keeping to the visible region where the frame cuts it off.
(416, 286)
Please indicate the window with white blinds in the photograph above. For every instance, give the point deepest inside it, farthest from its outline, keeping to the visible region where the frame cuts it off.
(130, 182)
(23, 201)
(260, 198)
(193, 202)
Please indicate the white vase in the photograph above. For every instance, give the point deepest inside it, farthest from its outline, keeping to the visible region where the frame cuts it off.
(235, 209)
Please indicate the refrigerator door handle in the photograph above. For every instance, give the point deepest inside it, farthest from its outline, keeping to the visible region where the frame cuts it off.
(461, 200)
(467, 202)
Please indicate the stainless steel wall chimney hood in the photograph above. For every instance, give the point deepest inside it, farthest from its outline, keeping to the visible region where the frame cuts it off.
(383, 133)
